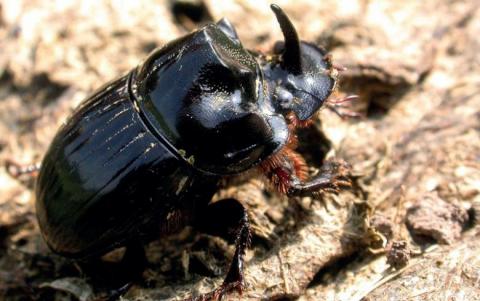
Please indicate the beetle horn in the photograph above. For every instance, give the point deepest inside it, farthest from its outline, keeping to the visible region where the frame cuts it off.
(291, 55)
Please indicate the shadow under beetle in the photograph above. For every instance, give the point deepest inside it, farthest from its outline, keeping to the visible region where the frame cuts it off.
(145, 154)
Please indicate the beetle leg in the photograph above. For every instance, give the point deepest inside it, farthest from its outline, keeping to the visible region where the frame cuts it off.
(128, 271)
(228, 219)
(116, 294)
(117, 273)
(332, 176)
(135, 259)
(287, 173)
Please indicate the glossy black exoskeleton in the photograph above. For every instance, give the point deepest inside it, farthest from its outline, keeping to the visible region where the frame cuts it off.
(145, 154)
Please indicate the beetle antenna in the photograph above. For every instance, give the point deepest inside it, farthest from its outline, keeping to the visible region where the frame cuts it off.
(339, 67)
(291, 55)
(345, 99)
(345, 114)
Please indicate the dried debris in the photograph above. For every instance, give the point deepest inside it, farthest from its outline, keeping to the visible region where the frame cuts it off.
(78, 287)
(432, 217)
(382, 224)
(398, 254)
(450, 273)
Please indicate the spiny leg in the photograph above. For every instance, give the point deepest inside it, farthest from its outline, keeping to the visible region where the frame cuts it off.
(284, 174)
(228, 219)
(331, 177)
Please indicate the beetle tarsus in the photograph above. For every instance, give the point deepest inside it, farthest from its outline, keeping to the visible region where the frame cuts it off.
(221, 219)
(332, 177)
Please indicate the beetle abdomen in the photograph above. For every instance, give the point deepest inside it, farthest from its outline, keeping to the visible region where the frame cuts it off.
(106, 178)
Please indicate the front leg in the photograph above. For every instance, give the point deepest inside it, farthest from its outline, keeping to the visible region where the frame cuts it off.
(331, 178)
(228, 219)
(287, 172)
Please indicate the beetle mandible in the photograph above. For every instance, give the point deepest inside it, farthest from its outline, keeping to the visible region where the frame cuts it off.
(145, 154)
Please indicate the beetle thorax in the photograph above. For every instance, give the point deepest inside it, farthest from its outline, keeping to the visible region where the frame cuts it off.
(209, 103)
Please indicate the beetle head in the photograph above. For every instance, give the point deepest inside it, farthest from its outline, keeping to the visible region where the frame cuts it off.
(300, 75)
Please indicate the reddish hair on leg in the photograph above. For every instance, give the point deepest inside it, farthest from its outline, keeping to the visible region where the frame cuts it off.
(282, 166)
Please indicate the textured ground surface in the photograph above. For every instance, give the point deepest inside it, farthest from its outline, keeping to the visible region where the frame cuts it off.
(407, 231)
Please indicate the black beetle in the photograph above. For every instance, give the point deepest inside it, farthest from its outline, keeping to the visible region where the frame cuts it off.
(145, 153)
